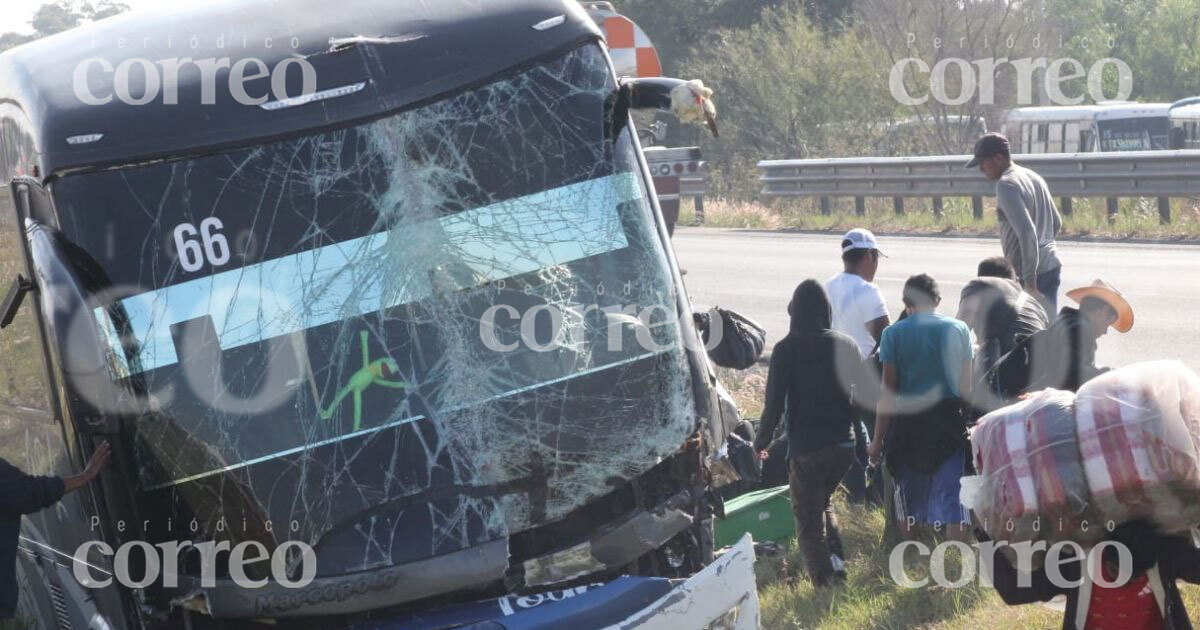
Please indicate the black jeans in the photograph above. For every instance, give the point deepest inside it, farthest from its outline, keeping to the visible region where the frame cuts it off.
(812, 479)
(1047, 284)
(856, 478)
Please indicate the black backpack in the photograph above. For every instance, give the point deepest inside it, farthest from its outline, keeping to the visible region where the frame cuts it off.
(1012, 373)
(742, 341)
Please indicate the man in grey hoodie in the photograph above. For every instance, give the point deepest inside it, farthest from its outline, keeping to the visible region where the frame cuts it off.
(1029, 221)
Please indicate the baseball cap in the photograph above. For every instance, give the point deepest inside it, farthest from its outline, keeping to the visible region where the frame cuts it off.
(987, 146)
(859, 238)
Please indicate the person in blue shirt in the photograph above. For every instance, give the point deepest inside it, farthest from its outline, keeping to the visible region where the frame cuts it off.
(920, 421)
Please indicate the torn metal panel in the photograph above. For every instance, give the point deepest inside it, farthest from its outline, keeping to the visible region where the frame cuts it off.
(562, 566)
(613, 547)
(338, 44)
(723, 596)
(640, 534)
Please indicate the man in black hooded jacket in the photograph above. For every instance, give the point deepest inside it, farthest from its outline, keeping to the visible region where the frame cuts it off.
(809, 385)
(22, 494)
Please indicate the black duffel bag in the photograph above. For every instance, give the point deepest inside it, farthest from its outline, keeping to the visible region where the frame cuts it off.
(741, 342)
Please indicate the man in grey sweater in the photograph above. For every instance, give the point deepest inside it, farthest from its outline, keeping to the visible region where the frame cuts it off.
(1029, 221)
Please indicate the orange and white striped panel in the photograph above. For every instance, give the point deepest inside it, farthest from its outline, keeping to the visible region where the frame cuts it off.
(632, 52)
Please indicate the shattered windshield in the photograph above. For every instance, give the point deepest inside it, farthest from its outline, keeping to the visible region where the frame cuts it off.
(454, 322)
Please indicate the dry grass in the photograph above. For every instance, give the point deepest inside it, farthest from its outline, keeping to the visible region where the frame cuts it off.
(747, 388)
(871, 599)
(1137, 218)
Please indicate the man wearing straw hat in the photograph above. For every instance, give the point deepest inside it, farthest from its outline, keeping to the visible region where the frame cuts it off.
(1064, 355)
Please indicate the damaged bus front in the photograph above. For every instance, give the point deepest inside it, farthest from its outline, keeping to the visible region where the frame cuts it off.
(405, 323)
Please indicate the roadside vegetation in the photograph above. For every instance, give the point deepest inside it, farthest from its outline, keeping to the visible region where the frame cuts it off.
(1137, 218)
(801, 79)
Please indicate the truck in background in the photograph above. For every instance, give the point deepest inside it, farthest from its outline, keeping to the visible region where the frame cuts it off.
(678, 172)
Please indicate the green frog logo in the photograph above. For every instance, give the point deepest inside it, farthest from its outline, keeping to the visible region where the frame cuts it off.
(378, 372)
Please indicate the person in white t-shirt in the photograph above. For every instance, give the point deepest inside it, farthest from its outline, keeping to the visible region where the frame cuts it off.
(860, 313)
(858, 307)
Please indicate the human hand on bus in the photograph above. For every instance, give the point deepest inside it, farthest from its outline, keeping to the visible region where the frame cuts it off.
(97, 461)
(95, 464)
(763, 455)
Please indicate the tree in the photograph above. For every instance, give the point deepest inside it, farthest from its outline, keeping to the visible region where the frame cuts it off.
(62, 15)
(786, 89)
(957, 33)
(831, 15)
(55, 18)
(11, 40)
(1167, 66)
(1158, 39)
(681, 28)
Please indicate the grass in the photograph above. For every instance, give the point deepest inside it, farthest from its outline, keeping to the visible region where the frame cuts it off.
(1137, 218)
(870, 598)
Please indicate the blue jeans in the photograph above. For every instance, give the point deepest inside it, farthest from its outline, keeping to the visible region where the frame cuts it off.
(1047, 284)
(933, 498)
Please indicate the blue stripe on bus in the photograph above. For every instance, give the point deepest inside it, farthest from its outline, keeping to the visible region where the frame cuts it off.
(365, 275)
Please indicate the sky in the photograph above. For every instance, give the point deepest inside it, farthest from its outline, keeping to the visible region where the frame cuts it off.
(15, 14)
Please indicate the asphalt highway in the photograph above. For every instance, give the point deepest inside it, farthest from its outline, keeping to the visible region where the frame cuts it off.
(754, 272)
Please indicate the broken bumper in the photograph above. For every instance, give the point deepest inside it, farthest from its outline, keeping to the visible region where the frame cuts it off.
(723, 596)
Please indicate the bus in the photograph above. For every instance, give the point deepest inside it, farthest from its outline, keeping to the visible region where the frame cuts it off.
(1185, 124)
(1068, 129)
(379, 290)
(1107, 126)
(1133, 127)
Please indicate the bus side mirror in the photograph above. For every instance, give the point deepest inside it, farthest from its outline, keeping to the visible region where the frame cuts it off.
(13, 299)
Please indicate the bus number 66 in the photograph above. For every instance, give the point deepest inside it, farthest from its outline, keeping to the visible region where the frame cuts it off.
(211, 246)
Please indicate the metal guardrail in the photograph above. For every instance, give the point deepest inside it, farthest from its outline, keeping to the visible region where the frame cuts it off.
(1161, 174)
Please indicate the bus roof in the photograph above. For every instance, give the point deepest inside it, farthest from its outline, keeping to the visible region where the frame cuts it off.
(1186, 112)
(384, 55)
(1133, 110)
(1053, 113)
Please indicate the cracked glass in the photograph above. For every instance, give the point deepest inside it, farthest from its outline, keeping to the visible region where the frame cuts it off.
(396, 340)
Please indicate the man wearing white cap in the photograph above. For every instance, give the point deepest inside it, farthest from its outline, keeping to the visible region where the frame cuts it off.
(858, 306)
(859, 312)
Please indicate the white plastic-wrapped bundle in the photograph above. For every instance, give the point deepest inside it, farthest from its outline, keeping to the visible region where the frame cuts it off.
(1139, 433)
(1031, 483)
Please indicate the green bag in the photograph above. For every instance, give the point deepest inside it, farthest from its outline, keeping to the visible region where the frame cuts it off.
(766, 514)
